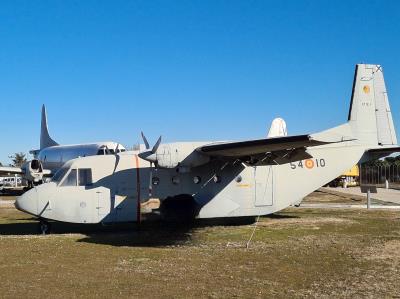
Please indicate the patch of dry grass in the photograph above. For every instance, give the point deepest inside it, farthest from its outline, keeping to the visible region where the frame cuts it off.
(297, 253)
(324, 195)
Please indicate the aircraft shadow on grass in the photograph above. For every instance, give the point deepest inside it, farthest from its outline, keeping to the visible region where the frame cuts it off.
(147, 234)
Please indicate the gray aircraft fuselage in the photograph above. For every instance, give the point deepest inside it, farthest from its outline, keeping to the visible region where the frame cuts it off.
(226, 179)
(120, 183)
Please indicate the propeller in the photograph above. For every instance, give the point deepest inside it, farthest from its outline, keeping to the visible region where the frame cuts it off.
(155, 147)
(151, 156)
(146, 143)
(116, 157)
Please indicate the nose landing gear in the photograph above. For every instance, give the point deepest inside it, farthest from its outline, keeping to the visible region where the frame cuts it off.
(44, 227)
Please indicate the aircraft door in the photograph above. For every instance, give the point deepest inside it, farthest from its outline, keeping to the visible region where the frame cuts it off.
(94, 204)
(103, 202)
(263, 185)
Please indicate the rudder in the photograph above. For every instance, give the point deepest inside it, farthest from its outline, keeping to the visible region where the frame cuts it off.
(369, 115)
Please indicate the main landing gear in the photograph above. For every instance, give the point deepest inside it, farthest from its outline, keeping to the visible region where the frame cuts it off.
(44, 227)
(181, 208)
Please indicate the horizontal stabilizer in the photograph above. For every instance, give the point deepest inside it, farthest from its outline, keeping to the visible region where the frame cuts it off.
(385, 150)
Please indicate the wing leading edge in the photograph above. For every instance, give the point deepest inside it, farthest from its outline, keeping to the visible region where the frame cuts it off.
(277, 150)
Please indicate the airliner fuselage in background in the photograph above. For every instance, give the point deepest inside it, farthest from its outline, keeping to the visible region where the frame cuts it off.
(52, 156)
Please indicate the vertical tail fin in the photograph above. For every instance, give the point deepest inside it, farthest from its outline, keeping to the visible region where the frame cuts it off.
(278, 128)
(369, 116)
(45, 139)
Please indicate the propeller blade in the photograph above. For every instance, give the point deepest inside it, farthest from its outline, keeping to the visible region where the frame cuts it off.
(155, 147)
(146, 143)
(150, 155)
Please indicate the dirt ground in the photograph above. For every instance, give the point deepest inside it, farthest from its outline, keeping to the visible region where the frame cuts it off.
(296, 253)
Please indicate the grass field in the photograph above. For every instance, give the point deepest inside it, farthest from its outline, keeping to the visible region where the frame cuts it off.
(296, 253)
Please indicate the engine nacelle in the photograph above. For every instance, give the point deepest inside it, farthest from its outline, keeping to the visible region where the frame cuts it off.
(179, 154)
(33, 171)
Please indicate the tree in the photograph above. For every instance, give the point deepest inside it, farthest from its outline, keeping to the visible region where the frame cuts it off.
(18, 159)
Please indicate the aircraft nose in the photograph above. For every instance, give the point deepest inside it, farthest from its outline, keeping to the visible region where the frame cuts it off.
(27, 202)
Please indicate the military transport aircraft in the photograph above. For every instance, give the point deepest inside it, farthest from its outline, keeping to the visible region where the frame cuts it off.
(219, 179)
(51, 156)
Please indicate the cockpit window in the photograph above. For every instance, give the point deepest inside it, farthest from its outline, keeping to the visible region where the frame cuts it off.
(59, 175)
(84, 177)
(101, 151)
(70, 180)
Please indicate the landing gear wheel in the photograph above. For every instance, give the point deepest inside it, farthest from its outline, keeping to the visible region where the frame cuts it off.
(179, 209)
(44, 227)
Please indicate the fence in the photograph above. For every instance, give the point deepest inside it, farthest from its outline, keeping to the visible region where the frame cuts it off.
(378, 175)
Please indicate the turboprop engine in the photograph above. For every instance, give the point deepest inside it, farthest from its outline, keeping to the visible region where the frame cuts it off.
(33, 171)
(180, 155)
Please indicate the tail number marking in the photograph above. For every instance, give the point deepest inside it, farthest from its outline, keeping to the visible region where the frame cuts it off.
(309, 163)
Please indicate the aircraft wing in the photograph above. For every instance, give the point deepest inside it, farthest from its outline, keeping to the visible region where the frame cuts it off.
(17, 170)
(277, 150)
(13, 170)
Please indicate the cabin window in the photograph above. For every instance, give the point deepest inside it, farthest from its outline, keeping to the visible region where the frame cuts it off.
(70, 180)
(84, 177)
(59, 175)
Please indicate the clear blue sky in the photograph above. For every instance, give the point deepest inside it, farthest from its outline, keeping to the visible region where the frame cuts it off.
(189, 70)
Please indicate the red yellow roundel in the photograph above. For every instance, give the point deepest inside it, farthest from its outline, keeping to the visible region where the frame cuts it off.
(309, 163)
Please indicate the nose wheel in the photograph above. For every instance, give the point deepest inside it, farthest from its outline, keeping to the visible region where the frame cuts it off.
(44, 227)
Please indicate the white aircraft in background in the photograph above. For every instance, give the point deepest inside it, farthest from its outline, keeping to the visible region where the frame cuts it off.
(278, 128)
(51, 156)
(223, 179)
